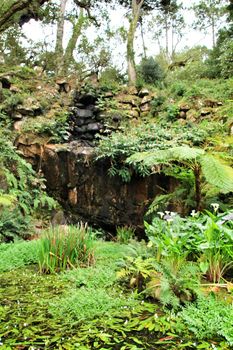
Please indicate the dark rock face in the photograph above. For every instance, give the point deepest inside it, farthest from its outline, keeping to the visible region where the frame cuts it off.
(84, 187)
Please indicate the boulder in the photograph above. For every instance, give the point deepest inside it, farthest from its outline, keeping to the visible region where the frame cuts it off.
(206, 111)
(182, 115)
(145, 107)
(143, 92)
(15, 89)
(83, 113)
(108, 94)
(18, 125)
(184, 107)
(146, 99)
(94, 127)
(212, 103)
(134, 113)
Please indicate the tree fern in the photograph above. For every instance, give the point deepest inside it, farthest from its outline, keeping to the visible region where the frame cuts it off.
(217, 173)
(197, 160)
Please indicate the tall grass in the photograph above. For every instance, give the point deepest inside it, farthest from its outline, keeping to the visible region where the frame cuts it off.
(65, 247)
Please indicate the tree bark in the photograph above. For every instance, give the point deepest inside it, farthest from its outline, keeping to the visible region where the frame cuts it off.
(60, 33)
(136, 7)
(68, 56)
(166, 33)
(213, 31)
(143, 40)
(6, 18)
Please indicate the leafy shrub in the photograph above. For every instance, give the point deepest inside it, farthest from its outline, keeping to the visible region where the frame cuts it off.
(110, 79)
(150, 70)
(178, 89)
(156, 104)
(57, 128)
(63, 247)
(13, 225)
(26, 189)
(209, 318)
(203, 238)
(172, 112)
(169, 281)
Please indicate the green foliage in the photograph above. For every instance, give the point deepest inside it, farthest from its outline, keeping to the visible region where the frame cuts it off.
(124, 234)
(17, 255)
(209, 318)
(216, 246)
(56, 128)
(215, 172)
(64, 247)
(24, 187)
(169, 281)
(172, 112)
(144, 137)
(150, 71)
(87, 304)
(157, 104)
(201, 238)
(110, 79)
(13, 225)
(178, 88)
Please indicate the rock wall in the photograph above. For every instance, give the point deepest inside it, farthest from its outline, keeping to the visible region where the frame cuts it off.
(85, 189)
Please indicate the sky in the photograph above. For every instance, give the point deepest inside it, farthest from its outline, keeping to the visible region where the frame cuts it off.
(36, 32)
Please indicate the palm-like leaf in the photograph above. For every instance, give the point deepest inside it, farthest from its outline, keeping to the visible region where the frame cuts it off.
(181, 153)
(217, 173)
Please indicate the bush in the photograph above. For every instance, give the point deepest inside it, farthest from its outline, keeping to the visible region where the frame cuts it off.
(178, 89)
(150, 71)
(13, 225)
(157, 103)
(172, 112)
(64, 247)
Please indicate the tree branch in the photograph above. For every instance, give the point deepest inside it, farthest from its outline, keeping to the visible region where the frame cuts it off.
(86, 5)
(16, 7)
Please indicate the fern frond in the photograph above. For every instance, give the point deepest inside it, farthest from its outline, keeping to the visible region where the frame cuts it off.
(181, 153)
(217, 173)
(186, 153)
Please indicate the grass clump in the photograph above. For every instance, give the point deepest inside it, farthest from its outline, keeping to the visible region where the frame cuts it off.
(65, 247)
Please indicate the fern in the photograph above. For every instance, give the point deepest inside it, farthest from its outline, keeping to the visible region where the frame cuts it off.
(7, 200)
(217, 173)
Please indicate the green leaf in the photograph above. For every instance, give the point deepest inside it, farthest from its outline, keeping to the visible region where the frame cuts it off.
(217, 173)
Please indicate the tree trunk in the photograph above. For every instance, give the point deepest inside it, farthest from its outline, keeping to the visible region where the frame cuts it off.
(136, 7)
(77, 29)
(213, 31)
(166, 31)
(197, 174)
(60, 33)
(143, 41)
